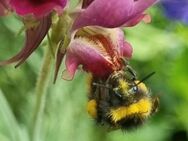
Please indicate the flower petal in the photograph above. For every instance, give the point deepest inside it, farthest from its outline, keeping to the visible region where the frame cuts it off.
(111, 13)
(38, 8)
(72, 64)
(99, 54)
(4, 7)
(142, 17)
(118, 40)
(141, 5)
(126, 49)
(83, 52)
(34, 37)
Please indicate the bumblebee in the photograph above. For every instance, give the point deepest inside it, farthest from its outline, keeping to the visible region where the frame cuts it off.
(121, 101)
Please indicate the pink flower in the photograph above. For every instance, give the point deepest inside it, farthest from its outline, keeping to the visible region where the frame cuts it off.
(112, 13)
(38, 8)
(40, 12)
(34, 36)
(98, 50)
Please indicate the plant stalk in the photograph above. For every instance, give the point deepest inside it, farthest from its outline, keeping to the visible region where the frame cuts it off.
(40, 92)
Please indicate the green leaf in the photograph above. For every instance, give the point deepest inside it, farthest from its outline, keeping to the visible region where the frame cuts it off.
(10, 126)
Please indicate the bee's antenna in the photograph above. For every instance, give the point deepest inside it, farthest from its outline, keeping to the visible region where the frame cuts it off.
(101, 85)
(145, 78)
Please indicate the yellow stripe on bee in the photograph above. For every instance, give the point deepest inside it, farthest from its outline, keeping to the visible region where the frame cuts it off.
(92, 108)
(123, 85)
(142, 108)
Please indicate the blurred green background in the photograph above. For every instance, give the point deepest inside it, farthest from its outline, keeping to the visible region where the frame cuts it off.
(161, 46)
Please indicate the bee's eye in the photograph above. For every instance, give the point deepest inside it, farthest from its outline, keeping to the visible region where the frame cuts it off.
(116, 92)
(133, 90)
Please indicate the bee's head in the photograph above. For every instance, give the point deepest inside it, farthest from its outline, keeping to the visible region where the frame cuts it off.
(131, 102)
(128, 90)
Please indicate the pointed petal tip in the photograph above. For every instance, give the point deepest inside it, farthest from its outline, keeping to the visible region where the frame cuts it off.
(66, 75)
(34, 37)
(59, 58)
(71, 64)
(147, 18)
(13, 59)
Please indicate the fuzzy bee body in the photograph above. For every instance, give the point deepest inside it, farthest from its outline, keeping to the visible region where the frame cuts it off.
(120, 101)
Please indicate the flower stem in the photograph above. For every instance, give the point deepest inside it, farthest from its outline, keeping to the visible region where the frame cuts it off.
(59, 30)
(40, 92)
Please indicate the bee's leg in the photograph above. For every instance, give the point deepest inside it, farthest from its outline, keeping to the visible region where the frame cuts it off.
(128, 68)
(131, 71)
(155, 106)
(101, 85)
(124, 61)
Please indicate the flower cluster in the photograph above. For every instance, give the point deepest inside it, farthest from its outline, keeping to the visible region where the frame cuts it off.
(90, 35)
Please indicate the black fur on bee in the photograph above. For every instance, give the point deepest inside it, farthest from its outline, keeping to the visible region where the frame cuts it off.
(121, 101)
